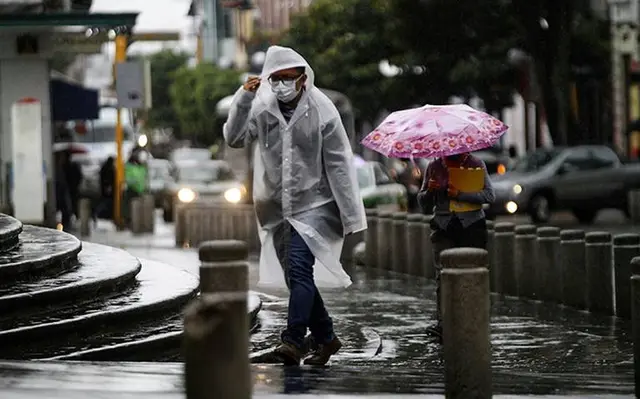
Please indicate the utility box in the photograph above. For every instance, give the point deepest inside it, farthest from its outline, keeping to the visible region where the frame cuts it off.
(133, 84)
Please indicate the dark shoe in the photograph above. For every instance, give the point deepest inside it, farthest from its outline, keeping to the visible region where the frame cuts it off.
(435, 331)
(309, 345)
(321, 356)
(289, 354)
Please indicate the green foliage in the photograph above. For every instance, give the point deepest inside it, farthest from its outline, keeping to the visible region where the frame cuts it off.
(164, 64)
(195, 93)
(343, 42)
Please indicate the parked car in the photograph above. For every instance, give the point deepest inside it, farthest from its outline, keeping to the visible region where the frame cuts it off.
(378, 188)
(159, 177)
(189, 154)
(582, 179)
(201, 181)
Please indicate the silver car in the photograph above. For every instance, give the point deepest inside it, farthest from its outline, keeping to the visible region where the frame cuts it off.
(582, 179)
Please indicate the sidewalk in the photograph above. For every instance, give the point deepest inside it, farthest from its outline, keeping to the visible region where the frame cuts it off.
(537, 348)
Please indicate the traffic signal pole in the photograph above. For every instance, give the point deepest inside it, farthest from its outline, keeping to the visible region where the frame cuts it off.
(121, 51)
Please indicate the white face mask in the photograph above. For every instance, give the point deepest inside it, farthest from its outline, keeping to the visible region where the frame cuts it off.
(285, 91)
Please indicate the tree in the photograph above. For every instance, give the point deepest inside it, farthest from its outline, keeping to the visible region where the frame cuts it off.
(344, 42)
(463, 44)
(195, 93)
(164, 65)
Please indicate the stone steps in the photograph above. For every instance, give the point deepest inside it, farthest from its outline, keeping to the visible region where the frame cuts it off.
(99, 269)
(40, 252)
(158, 340)
(10, 229)
(162, 290)
(67, 299)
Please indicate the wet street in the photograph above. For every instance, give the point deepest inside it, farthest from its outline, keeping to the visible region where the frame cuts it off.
(537, 349)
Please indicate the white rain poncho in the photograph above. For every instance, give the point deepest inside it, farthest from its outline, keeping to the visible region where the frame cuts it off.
(304, 172)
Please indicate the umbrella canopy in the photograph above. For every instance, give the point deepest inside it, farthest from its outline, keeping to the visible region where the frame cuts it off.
(435, 131)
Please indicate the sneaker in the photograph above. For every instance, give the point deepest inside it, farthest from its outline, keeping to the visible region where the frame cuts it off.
(289, 354)
(321, 356)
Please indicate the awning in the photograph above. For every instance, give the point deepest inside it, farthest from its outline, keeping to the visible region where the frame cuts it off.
(71, 101)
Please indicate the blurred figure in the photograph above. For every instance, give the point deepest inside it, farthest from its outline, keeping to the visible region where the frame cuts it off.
(63, 198)
(107, 182)
(73, 172)
(136, 178)
(409, 177)
(453, 229)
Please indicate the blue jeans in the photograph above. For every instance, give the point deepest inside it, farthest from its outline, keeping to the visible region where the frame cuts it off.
(306, 307)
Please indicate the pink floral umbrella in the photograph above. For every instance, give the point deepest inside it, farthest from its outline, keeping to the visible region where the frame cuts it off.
(434, 131)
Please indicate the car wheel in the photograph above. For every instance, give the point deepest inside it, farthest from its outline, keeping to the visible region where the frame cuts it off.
(585, 216)
(540, 209)
(167, 215)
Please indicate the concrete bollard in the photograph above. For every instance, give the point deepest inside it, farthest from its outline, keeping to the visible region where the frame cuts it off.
(216, 330)
(399, 242)
(635, 327)
(427, 270)
(572, 259)
(503, 269)
(371, 239)
(549, 272)
(180, 225)
(137, 216)
(465, 323)
(385, 224)
(490, 233)
(525, 260)
(599, 265)
(84, 214)
(149, 212)
(625, 248)
(414, 245)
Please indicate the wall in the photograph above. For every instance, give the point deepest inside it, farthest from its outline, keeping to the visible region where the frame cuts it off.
(25, 76)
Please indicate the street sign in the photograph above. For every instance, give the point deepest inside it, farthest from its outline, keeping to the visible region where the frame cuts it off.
(133, 84)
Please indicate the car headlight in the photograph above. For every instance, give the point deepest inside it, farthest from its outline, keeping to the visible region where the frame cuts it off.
(143, 140)
(517, 189)
(186, 195)
(233, 195)
(512, 207)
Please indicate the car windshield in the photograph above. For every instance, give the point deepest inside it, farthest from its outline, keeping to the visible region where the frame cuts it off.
(204, 173)
(103, 134)
(190, 154)
(536, 160)
(366, 176)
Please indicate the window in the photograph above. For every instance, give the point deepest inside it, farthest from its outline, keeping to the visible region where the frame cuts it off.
(579, 159)
(365, 175)
(536, 160)
(604, 157)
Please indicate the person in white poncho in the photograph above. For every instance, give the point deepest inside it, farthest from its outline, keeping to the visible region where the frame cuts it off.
(305, 191)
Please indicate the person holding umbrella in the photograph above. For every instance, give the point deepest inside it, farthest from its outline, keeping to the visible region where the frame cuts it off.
(451, 229)
(456, 183)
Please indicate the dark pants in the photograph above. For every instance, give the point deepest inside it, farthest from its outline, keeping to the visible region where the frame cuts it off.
(455, 236)
(306, 307)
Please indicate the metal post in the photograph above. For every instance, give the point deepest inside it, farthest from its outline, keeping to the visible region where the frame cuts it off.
(625, 248)
(371, 239)
(503, 268)
(399, 242)
(525, 262)
(121, 55)
(465, 317)
(572, 259)
(549, 271)
(84, 213)
(414, 245)
(599, 264)
(216, 329)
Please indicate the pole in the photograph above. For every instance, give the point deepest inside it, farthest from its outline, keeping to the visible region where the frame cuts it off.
(121, 51)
